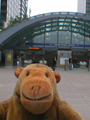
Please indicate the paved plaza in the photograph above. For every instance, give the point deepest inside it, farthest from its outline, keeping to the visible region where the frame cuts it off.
(74, 87)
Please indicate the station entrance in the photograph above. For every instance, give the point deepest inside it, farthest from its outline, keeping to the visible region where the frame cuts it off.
(47, 55)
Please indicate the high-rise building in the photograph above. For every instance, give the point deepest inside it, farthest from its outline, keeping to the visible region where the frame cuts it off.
(11, 9)
(81, 6)
(84, 6)
(23, 8)
(88, 7)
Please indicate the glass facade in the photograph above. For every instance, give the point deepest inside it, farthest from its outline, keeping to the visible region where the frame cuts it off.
(23, 8)
(3, 12)
(81, 6)
(52, 31)
(68, 30)
(88, 7)
(84, 6)
(11, 9)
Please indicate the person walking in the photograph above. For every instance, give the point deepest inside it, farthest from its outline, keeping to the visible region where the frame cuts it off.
(75, 62)
(18, 61)
(70, 63)
(54, 63)
(33, 61)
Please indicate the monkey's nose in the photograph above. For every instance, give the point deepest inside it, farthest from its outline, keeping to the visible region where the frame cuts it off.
(36, 90)
(36, 87)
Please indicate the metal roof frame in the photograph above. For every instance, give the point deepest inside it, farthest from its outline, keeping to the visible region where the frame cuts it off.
(14, 36)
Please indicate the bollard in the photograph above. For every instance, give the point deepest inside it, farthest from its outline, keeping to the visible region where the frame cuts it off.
(66, 65)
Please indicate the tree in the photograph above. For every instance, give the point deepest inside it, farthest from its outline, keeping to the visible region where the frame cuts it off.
(25, 16)
(13, 21)
(16, 19)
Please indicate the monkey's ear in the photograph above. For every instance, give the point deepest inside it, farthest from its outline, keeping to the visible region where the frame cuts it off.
(18, 71)
(57, 76)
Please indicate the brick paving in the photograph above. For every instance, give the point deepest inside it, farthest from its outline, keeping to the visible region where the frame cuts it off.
(74, 87)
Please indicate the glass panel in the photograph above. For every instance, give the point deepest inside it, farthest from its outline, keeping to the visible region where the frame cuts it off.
(39, 15)
(77, 38)
(38, 39)
(79, 26)
(54, 24)
(88, 24)
(81, 31)
(80, 14)
(69, 20)
(36, 32)
(55, 13)
(67, 24)
(55, 20)
(65, 28)
(71, 13)
(48, 29)
(73, 24)
(74, 21)
(54, 28)
(87, 40)
(47, 25)
(47, 14)
(48, 37)
(64, 13)
(75, 30)
(61, 23)
(54, 37)
(86, 33)
(42, 30)
(81, 22)
(64, 37)
(51, 37)
(61, 20)
(60, 28)
(43, 26)
(48, 21)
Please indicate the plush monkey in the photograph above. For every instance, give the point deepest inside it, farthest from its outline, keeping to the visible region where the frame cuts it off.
(36, 97)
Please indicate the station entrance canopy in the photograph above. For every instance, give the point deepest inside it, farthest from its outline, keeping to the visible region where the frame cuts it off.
(55, 30)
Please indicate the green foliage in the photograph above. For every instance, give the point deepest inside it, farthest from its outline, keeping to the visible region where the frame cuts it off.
(25, 16)
(15, 20)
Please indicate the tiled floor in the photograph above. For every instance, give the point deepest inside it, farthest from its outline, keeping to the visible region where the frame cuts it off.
(74, 87)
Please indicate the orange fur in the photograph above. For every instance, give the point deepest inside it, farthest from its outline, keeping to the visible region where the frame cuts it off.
(36, 97)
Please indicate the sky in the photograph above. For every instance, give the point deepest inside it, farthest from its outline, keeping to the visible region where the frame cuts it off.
(46, 6)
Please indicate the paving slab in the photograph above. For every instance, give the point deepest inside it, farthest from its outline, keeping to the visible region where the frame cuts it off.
(73, 88)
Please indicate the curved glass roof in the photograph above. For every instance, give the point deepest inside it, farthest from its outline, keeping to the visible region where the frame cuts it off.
(58, 28)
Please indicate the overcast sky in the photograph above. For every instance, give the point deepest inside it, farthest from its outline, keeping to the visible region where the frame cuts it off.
(45, 6)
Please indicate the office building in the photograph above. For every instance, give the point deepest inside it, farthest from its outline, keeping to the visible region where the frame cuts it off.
(23, 8)
(84, 6)
(81, 7)
(11, 8)
(88, 7)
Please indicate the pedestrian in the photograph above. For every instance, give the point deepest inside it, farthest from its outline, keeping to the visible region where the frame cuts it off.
(18, 61)
(54, 63)
(75, 62)
(33, 61)
(70, 63)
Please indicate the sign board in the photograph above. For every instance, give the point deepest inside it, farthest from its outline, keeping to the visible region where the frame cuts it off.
(8, 57)
(62, 61)
(57, 44)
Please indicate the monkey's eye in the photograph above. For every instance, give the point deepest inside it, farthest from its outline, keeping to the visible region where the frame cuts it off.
(27, 73)
(46, 75)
